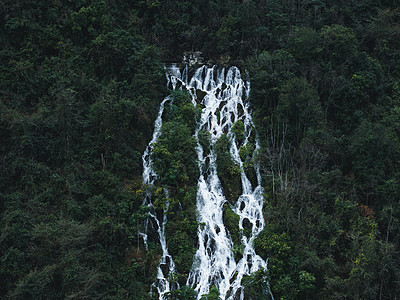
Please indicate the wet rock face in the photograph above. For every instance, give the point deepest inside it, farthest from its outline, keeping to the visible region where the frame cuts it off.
(192, 58)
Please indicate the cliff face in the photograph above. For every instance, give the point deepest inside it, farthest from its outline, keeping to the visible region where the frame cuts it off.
(193, 58)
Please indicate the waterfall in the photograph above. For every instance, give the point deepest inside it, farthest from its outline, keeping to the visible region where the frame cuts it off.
(223, 105)
(166, 266)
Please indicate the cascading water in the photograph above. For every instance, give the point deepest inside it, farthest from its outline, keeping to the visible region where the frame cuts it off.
(166, 266)
(214, 262)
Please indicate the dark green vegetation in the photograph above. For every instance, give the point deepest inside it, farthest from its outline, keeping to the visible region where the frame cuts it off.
(175, 161)
(79, 91)
(80, 84)
(227, 170)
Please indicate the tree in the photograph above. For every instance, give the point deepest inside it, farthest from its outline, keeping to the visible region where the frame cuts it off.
(299, 108)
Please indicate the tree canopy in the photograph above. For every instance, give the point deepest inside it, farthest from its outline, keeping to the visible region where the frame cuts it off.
(80, 85)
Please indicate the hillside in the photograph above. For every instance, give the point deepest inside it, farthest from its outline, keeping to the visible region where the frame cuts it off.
(81, 83)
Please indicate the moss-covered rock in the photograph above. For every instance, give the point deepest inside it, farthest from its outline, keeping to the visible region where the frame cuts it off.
(231, 222)
(238, 130)
(204, 140)
(181, 232)
(227, 170)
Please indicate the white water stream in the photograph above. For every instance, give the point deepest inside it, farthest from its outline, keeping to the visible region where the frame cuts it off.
(166, 266)
(223, 104)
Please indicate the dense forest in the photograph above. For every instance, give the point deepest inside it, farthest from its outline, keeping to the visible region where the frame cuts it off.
(80, 86)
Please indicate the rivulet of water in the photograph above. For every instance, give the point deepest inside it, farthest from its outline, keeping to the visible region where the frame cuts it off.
(223, 104)
(166, 267)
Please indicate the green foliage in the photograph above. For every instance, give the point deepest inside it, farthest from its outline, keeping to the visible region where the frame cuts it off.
(182, 237)
(80, 87)
(226, 34)
(276, 248)
(75, 118)
(227, 170)
(306, 282)
(174, 154)
(269, 72)
(246, 151)
(90, 19)
(373, 152)
(238, 130)
(256, 285)
(175, 160)
(189, 199)
(184, 293)
(339, 43)
(205, 140)
(212, 295)
(303, 44)
(231, 222)
(299, 108)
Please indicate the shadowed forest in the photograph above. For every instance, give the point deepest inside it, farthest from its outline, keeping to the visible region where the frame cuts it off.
(80, 86)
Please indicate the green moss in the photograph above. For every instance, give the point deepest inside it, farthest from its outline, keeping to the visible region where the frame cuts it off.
(248, 167)
(246, 155)
(181, 98)
(204, 140)
(256, 285)
(175, 160)
(227, 170)
(212, 295)
(185, 292)
(246, 151)
(188, 199)
(231, 222)
(189, 115)
(182, 110)
(174, 155)
(238, 130)
(181, 234)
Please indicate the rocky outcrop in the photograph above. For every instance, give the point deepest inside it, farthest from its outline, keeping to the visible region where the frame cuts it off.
(192, 58)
